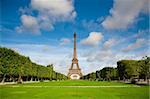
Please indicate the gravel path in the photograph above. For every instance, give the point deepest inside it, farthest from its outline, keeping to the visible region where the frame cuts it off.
(74, 86)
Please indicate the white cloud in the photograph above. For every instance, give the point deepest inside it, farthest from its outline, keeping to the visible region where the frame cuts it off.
(109, 43)
(139, 43)
(141, 33)
(55, 8)
(29, 23)
(124, 13)
(91, 25)
(19, 29)
(100, 55)
(93, 39)
(49, 12)
(25, 10)
(65, 41)
(101, 58)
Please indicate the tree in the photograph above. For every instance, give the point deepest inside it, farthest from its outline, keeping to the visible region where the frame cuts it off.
(128, 69)
(50, 71)
(98, 75)
(145, 68)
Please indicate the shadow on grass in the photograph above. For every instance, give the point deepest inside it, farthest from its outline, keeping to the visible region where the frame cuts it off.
(137, 84)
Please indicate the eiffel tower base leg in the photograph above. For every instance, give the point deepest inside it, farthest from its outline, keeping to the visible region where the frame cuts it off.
(74, 74)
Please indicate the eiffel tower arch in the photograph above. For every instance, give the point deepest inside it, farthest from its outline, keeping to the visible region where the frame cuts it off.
(74, 73)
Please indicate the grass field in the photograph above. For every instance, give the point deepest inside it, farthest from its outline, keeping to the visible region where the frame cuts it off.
(74, 90)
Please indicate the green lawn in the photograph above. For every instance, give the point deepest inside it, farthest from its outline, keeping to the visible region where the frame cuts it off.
(45, 90)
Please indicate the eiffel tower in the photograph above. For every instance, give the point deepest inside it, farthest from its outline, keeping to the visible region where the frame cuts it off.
(74, 73)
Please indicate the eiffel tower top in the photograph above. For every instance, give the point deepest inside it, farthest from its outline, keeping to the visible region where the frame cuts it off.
(75, 52)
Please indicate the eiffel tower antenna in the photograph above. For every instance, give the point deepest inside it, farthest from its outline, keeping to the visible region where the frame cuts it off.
(74, 73)
(75, 52)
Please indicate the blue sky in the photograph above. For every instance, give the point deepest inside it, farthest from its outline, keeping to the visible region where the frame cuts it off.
(107, 31)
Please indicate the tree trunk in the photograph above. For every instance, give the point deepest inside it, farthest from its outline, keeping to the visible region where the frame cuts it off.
(31, 79)
(3, 80)
(11, 78)
(124, 79)
(19, 79)
(119, 78)
(147, 79)
(27, 78)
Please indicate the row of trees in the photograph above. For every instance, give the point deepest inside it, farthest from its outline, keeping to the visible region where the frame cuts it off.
(15, 67)
(107, 73)
(129, 69)
(126, 69)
